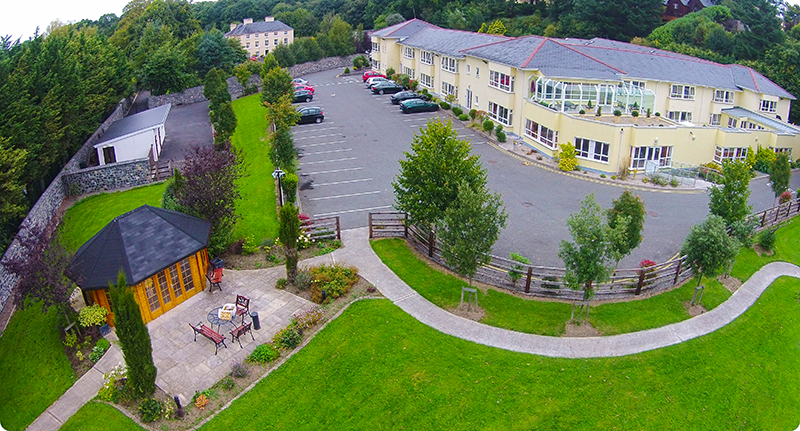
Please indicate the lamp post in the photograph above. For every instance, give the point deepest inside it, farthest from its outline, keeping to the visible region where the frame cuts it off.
(278, 173)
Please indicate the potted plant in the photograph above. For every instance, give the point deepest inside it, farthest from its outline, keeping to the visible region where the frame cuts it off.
(599, 111)
(94, 316)
(617, 114)
(635, 115)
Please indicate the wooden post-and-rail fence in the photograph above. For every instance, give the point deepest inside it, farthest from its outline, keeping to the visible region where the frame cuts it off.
(543, 281)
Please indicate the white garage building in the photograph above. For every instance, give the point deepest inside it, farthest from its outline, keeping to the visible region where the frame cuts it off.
(135, 137)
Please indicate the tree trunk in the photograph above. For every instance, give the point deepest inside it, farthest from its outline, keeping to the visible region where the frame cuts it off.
(291, 263)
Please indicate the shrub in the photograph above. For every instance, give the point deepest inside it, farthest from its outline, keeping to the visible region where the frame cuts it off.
(201, 401)
(281, 283)
(289, 337)
(488, 126)
(659, 180)
(238, 369)
(647, 268)
(264, 354)
(308, 319)
(599, 111)
(403, 80)
(113, 383)
(501, 136)
(743, 231)
(413, 85)
(658, 114)
(766, 239)
(463, 117)
(99, 350)
(582, 112)
(289, 185)
(390, 73)
(613, 177)
(764, 159)
(150, 410)
(635, 114)
(332, 281)
(70, 339)
(567, 157)
(444, 105)
(92, 315)
(499, 128)
(249, 246)
(674, 182)
(785, 197)
(227, 383)
(360, 62)
(303, 280)
(474, 112)
(458, 111)
(516, 269)
(346, 70)
(617, 113)
(602, 175)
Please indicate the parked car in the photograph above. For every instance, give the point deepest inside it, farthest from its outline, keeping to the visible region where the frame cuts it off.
(302, 96)
(304, 87)
(404, 95)
(418, 105)
(311, 115)
(300, 81)
(374, 80)
(387, 87)
(370, 73)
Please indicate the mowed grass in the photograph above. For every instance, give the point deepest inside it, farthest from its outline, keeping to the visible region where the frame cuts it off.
(90, 215)
(377, 368)
(787, 249)
(533, 316)
(100, 417)
(256, 208)
(34, 371)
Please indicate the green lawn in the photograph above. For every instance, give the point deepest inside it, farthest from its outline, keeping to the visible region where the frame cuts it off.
(542, 317)
(34, 371)
(87, 217)
(787, 249)
(257, 205)
(100, 417)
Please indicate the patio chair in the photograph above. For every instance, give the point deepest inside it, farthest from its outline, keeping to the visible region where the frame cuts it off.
(215, 278)
(241, 330)
(242, 306)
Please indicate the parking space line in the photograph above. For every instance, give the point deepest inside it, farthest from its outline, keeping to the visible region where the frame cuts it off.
(418, 119)
(327, 152)
(318, 136)
(305, 126)
(336, 183)
(349, 195)
(333, 171)
(321, 144)
(316, 130)
(352, 211)
(328, 161)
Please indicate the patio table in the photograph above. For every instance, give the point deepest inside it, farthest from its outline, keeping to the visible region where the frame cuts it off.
(213, 318)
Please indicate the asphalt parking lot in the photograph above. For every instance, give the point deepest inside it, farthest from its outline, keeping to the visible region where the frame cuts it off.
(347, 164)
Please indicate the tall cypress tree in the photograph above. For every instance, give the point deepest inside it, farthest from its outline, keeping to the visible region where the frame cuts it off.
(134, 338)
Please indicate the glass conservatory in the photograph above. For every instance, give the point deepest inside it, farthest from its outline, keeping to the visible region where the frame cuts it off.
(574, 96)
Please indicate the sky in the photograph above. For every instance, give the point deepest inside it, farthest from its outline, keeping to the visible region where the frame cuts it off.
(20, 18)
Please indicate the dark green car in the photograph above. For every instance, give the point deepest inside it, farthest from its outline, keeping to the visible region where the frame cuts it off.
(418, 105)
(302, 96)
(385, 87)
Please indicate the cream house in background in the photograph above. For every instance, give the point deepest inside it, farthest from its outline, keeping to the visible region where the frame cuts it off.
(536, 87)
(261, 37)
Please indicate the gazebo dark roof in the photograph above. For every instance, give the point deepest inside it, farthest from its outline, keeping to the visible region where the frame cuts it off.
(141, 243)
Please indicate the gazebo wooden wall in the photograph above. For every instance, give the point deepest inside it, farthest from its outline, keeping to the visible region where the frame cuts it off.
(161, 292)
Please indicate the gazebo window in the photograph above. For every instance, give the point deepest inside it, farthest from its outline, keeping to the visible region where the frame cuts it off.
(186, 272)
(162, 282)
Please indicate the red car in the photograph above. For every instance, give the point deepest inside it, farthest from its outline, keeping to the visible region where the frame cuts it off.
(298, 86)
(370, 73)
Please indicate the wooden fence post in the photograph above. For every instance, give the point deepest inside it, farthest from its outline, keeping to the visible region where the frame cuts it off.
(641, 282)
(339, 230)
(370, 225)
(405, 224)
(763, 219)
(678, 272)
(528, 280)
(430, 243)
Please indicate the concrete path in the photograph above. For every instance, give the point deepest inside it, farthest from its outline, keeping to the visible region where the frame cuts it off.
(357, 252)
(79, 394)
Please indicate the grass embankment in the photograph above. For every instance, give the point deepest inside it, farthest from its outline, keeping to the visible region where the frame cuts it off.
(541, 317)
(256, 208)
(34, 371)
(100, 417)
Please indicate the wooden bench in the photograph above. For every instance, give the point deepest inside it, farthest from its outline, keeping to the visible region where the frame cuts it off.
(241, 330)
(210, 334)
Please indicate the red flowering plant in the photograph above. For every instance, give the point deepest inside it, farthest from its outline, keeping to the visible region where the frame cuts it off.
(647, 268)
(785, 197)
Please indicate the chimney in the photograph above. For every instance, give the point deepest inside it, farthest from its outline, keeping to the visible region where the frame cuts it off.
(269, 18)
(248, 20)
(233, 26)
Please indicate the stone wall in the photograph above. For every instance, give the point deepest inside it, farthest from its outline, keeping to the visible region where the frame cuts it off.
(195, 94)
(115, 176)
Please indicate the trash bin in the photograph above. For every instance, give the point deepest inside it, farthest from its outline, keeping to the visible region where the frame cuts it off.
(254, 319)
(216, 263)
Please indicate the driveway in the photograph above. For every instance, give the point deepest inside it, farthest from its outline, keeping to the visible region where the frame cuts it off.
(347, 164)
(187, 126)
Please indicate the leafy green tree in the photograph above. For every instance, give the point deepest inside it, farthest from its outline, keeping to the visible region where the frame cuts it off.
(242, 72)
(730, 200)
(224, 120)
(780, 173)
(283, 153)
(164, 72)
(589, 258)
(215, 89)
(269, 63)
(628, 209)
(289, 232)
(611, 19)
(215, 52)
(393, 19)
(470, 228)
(709, 248)
(12, 197)
(430, 174)
(276, 83)
(134, 339)
(496, 27)
(284, 56)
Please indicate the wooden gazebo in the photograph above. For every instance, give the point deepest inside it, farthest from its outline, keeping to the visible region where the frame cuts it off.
(162, 254)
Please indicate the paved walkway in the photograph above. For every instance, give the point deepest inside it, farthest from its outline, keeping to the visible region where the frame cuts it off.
(357, 252)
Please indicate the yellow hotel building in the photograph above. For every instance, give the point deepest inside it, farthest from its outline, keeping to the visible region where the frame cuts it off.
(536, 87)
(261, 37)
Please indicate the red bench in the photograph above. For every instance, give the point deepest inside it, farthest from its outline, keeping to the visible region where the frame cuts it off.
(210, 334)
(241, 330)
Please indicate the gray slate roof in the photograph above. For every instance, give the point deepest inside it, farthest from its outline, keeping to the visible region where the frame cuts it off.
(403, 29)
(141, 243)
(772, 123)
(448, 42)
(259, 27)
(135, 123)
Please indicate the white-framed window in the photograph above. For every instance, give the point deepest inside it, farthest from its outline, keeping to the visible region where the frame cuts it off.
(285, 40)
(714, 120)
(266, 42)
(637, 84)
(680, 116)
(426, 80)
(723, 96)
(408, 71)
(769, 106)
(732, 122)
(276, 33)
(256, 44)
(785, 151)
(448, 88)
(257, 35)
(276, 42)
(500, 113)
(591, 150)
(247, 36)
(750, 125)
(286, 32)
(408, 52)
(450, 64)
(256, 53)
(682, 92)
(376, 46)
(426, 57)
(477, 72)
(545, 136)
(468, 69)
(247, 45)
(641, 155)
(501, 81)
(727, 154)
